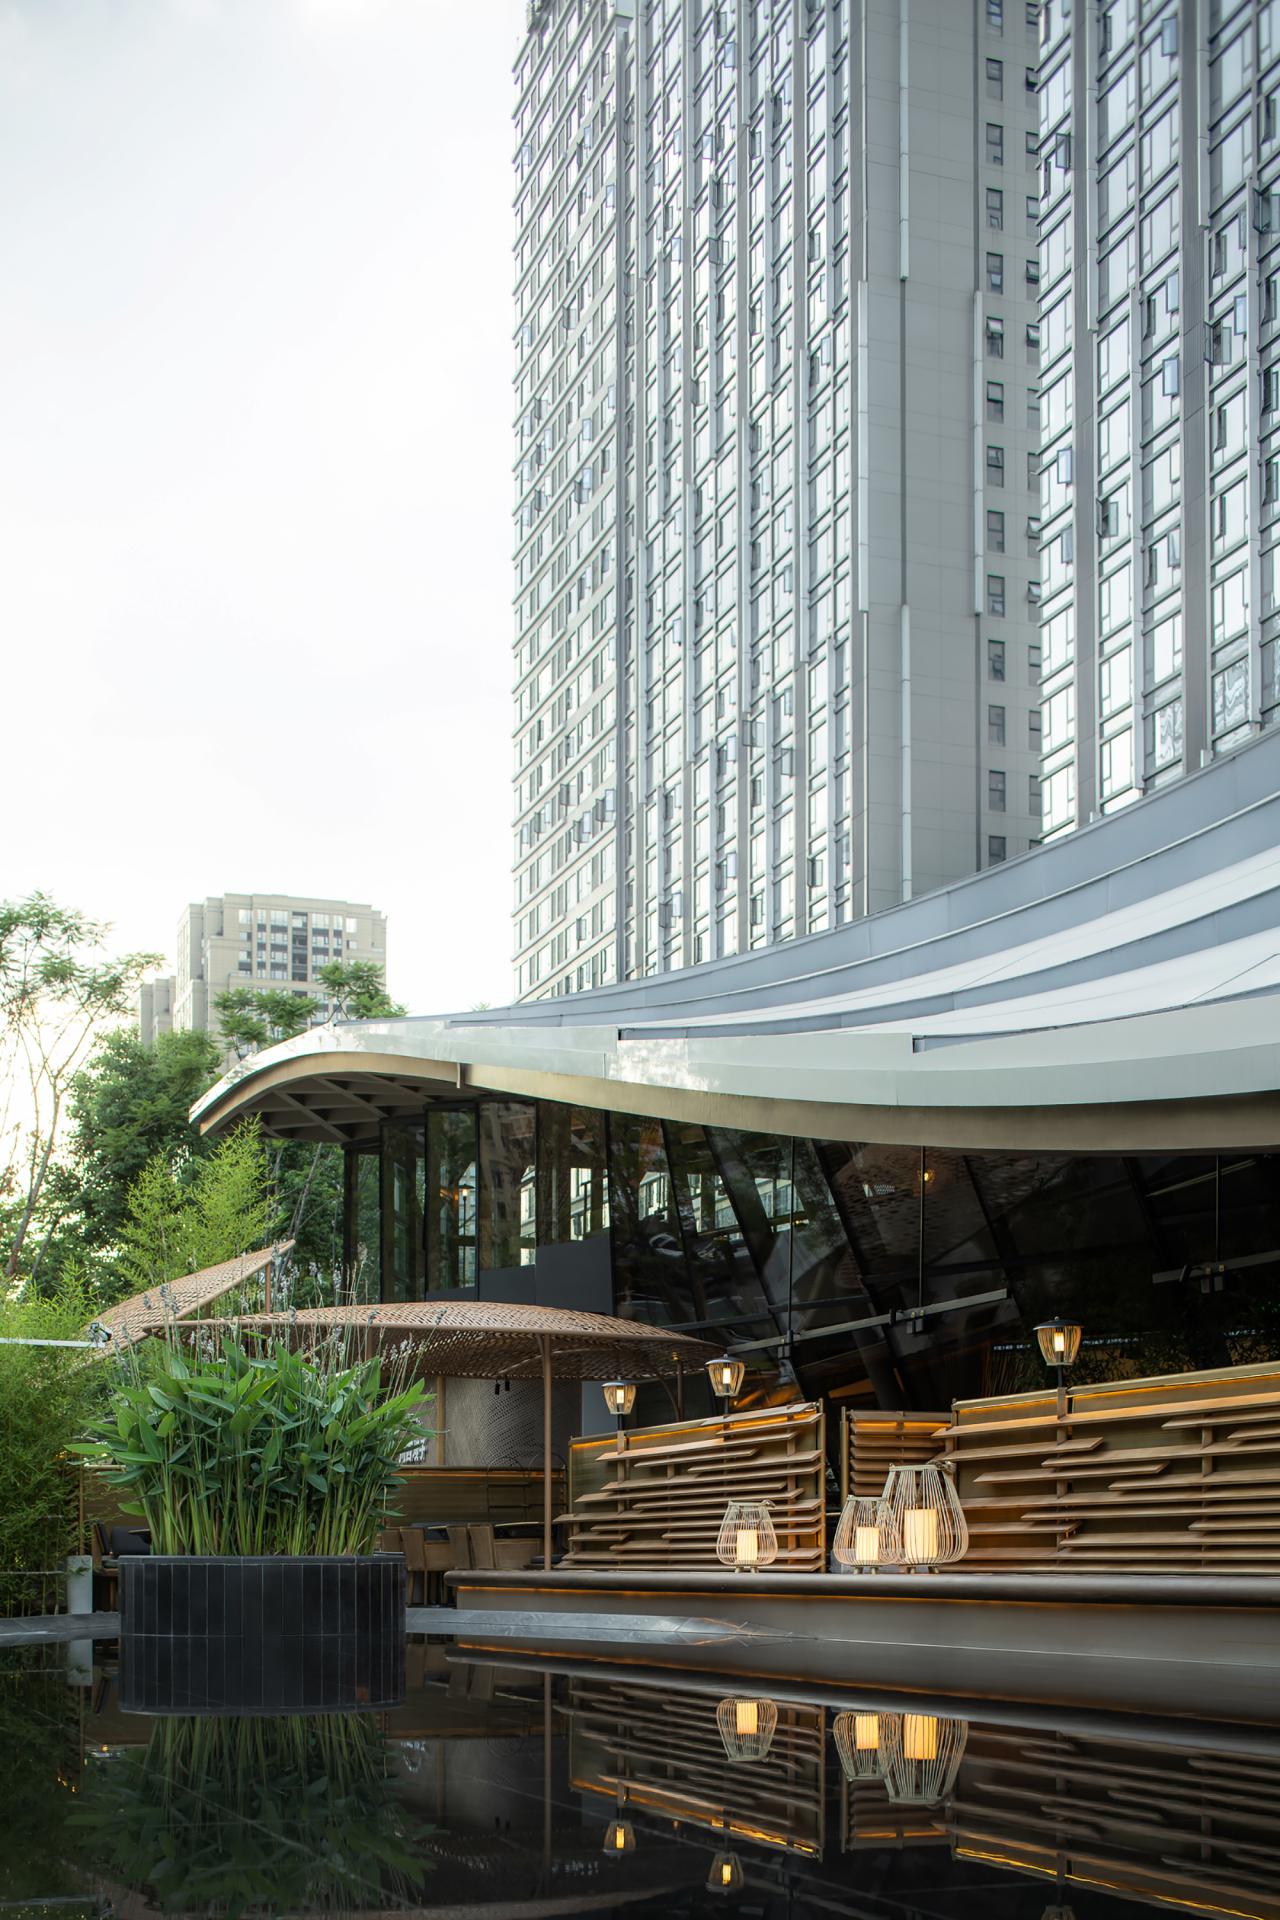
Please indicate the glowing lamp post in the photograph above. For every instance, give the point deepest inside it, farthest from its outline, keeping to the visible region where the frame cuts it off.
(619, 1397)
(725, 1376)
(1059, 1343)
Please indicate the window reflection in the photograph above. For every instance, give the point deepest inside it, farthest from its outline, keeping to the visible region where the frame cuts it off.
(450, 1207)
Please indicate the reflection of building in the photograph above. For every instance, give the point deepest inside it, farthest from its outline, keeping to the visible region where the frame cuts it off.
(259, 940)
(876, 1158)
(775, 394)
(1160, 395)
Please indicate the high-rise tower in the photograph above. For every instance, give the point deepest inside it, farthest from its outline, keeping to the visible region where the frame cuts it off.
(1160, 335)
(776, 401)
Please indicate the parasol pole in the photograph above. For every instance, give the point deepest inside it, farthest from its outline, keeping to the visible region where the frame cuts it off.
(545, 1343)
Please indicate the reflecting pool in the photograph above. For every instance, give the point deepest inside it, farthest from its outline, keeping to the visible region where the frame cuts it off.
(505, 1787)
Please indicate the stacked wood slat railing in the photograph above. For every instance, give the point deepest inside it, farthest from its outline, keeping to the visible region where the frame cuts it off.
(660, 1751)
(655, 1497)
(873, 1440)
(1173, 1475)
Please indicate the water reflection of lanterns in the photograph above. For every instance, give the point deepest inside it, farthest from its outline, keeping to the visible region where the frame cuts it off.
(726, 1875)
(926, 1510)
(858, 1743)
(619, 1837)
(746, 1727)
(747, 1539)
(867, 1536)
(922, 1755)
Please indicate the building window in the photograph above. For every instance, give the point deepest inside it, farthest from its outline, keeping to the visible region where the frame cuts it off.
(1033, 668)
(995, 727)
(995, 593)
(995, 339)
(995, 79)
(995, 208)
(1033, 793)
(995, 466)
(1032, 144)
(996, 785)
(1033, 340)
(995, 273)
(1033, 273)
(995, 400)
(995, 530)
(997, 848)
(995, 16)
(995, 659)
(995, 144)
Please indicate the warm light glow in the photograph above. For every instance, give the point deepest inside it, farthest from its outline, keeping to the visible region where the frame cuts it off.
(725, 1376)
(867, 1535)
(920, 1736)
(619, 1396)
(747, 1546)
(725, 1875)
(747, 1540)
(746, 1716)
(1059, 1342)
(920, 1536)
(866, 1546)
(746, 1727)
(619, 1837)
(866, 1732)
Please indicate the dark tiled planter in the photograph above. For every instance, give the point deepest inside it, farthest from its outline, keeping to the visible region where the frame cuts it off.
(317, 1634)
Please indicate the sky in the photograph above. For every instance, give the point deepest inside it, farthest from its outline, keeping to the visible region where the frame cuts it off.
(255, 465)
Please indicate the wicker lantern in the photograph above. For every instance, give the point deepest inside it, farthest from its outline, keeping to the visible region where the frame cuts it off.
(725, 1376)
(726, 1874)
(619, 1396)
(932, 1530)
(922, 1756)
(746, 1540)
(858, 1743)
(1059, 1342)
(746, 1727)
(619, 1837)
(867, 1536)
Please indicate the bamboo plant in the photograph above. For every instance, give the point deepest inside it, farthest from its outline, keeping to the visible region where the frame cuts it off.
(231, 1444)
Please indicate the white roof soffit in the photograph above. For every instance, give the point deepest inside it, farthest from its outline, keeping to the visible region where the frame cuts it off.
(1132, 1006)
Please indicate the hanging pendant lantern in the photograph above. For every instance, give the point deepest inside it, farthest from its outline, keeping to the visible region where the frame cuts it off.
(932, 1529)
(867, 1535)
(619, 1837)
(725, 1376)
(859, 1745)
(746, 1727)
(726, 1875)
(746, 1541)
(922, 1755)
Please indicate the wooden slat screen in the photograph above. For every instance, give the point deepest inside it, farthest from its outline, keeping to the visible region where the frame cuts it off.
(505, 1495)
(872, 1441)
(663, 1750)
(665, 1490)
(1173, 1475)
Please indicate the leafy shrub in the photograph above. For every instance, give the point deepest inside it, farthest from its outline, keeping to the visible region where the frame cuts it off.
(233, 1445)
(47, 1396)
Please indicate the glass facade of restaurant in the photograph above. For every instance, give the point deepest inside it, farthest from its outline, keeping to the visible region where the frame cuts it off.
(898, 1275)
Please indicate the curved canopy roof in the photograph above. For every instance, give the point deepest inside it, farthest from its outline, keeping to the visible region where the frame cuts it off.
(490, 1340)
(1118, 989)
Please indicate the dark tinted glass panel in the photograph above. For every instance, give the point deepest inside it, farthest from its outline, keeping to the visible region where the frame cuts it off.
(362, 1255)
(451, 1199)
(573, 1188)
(507, 1225)
(724, 1285)
(402, 1200)
(648, 1253)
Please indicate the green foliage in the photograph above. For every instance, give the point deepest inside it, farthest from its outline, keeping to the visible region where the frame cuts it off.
(128, 1106)
(47, 1396)
(250, 1018)
(39, 1759)
(358, 990)
(186, 1215)
(233, 1817)
(57, 988)
(242, 1447)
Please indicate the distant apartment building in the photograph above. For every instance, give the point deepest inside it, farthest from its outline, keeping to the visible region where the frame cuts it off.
(257, 940)
(1160, 406)
(776, 400)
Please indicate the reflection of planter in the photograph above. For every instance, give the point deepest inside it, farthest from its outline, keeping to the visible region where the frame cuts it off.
(316, 1634)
